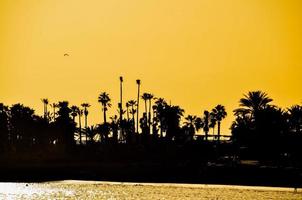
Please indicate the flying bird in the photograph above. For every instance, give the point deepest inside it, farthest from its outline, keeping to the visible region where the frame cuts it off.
(66, 54)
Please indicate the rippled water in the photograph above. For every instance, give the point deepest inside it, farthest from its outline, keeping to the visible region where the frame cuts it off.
(114, 190)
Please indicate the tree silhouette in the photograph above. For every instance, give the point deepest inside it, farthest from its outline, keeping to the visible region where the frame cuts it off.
(206, 118)
(161, 104)
(219, 113)
(253, 102)
(65, 125)
(121, 105)
(54, 107)
(145, 97)
(213, 122)
(80, 114)
(295, 118)
(138, 82)
(192, 124)
(74, 112)
(4, 122)
(86, 112)
(45, 103)
(104, 99)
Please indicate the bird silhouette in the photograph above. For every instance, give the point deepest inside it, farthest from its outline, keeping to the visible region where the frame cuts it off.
(66, 54)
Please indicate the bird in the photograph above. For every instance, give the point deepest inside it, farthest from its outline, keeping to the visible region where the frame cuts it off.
(66, 54)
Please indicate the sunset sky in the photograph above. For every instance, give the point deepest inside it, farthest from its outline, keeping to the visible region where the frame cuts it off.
(194, 53)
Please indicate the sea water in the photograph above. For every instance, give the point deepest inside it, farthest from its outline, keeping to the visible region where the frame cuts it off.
(72, 189)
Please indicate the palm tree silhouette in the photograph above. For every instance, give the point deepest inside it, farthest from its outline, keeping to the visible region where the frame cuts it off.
(54, 106)
(190, 124)
(138, 82)
(121, 105)
(132, 103)
(213, 122)
(74, 112)
(206, 123)
(104, 99)
(127, 110)
(150, 97)
(80, 114)
(253, 102)
(145, 97)
(45, 102)
(295, 118)
(86, 112)
(219, 114)
(160, 108)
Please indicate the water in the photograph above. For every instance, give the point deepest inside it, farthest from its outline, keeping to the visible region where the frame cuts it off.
(115, 190)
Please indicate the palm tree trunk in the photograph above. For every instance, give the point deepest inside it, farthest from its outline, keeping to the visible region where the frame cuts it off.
(80, 129)
(105, 115)
(137, 112)
(86, 127)
(218, 131)
(128, 114)
(149, 117)
(121, 107)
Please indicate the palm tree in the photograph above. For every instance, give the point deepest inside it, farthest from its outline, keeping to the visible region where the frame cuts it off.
(160, 109)
(190, 124)
(295, 118)
(145, 97)
(219, 113)
(91, 132)
(104, 99)
(212, 122)
(127, 110)
(132, 103)
(114, 128)
(150, 97)
(85, 106)
(206, 123)
(253, 102)
(54, 106)
(138, 82)
(74, 112)
(45, 102)
(80, 114)
(121, 104)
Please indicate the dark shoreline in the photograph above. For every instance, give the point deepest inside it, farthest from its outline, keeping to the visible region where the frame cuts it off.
(153, 173)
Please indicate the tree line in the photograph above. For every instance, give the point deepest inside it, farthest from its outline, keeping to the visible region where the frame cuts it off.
(266, 130)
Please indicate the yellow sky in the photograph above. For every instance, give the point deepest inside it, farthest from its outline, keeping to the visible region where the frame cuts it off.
(196, 53)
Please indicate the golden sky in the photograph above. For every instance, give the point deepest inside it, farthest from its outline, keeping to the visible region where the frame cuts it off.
(196, 53)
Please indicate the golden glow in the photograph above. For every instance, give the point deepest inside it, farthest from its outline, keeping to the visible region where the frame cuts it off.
(196, 53)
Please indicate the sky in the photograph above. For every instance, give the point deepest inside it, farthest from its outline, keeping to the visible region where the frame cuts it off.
(194, 53)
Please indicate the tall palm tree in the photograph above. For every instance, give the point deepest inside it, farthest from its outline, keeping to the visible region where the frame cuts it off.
(86, 112)
(253, 102)
(150, 97)
(54, 106)
(104, 99)
(145, 97)
(295, 118)
(138, 82)
(160, 113)
(190, 124)
(219, 113)
(132, 103)
(74, 112)
(45, 102)
(206, 123)
(80, 114)
(121, 104)
(213, 122)
(127, 110)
